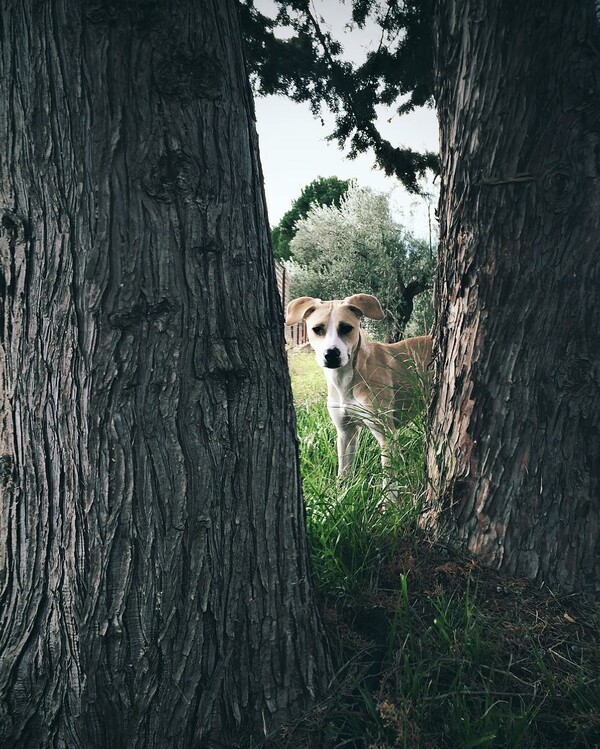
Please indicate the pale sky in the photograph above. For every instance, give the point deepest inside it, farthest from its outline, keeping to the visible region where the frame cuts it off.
(294, 150)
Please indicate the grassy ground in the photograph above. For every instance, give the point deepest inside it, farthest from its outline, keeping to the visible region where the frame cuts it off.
(308, 382)
(432, 651)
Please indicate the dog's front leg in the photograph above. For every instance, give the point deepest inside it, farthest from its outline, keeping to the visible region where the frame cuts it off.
(347, 436)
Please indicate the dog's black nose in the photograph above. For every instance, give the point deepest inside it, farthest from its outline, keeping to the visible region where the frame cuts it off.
(333, 358)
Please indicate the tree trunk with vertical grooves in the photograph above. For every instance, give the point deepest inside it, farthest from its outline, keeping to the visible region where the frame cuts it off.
(153, 563)
(514, 451)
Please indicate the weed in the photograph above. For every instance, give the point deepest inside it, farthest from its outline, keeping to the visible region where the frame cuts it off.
(433, 652)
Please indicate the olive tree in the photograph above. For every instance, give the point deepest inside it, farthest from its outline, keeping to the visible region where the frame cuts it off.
(361, 247)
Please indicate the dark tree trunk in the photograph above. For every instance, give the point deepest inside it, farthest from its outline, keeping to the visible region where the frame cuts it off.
(404, 307)
(153, 566)
(514, 453)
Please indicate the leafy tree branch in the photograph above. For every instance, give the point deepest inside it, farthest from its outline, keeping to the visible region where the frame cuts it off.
(308, 67)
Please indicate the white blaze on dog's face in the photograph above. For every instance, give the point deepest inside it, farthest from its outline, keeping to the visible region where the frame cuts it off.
(333, 327)
(333, 333)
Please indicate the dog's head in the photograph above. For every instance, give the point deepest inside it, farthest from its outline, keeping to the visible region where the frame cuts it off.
(333, 327)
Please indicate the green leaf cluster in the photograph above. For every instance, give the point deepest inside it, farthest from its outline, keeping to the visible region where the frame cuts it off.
(321, 191)
(295, 55)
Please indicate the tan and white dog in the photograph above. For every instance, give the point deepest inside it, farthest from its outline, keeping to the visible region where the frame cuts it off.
(369, 384)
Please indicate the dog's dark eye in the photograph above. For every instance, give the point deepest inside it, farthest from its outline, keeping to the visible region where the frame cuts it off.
(319, 329)
(344, 329)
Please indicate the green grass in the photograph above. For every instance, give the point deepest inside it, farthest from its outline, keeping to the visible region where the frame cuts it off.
(352, 525)
(432, 651)
(308, 382)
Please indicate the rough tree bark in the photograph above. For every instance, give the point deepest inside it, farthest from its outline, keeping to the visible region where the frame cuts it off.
(153, 567)
(514, 452)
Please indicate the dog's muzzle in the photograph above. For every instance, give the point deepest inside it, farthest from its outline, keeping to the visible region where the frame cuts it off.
(333, 358)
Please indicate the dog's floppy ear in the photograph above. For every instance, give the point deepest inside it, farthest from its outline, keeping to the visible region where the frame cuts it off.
(300, 308)
(365, 304)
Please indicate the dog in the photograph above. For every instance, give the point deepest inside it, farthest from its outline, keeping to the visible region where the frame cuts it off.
(369, 384)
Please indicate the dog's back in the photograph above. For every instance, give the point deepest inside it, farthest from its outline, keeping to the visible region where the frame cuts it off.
(412, 357)
(398, 375)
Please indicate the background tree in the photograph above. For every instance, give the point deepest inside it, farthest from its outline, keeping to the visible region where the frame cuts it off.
(359, 246)
(154, 589)
(514, 449)
(321, 191)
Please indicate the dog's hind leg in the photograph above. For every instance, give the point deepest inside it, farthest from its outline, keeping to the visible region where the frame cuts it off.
(389, 485)
(384, 446)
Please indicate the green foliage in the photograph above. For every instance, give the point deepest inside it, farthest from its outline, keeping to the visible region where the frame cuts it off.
(322, 191)
(359, 247)
(431, 650)
(421, 320)
(351, 524)
(308, 66)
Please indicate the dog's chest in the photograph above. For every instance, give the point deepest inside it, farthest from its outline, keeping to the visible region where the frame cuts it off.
(343, 403)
